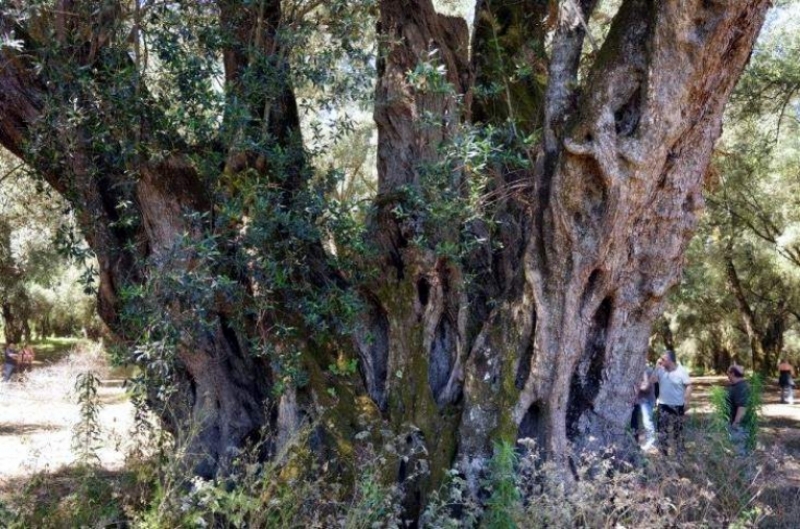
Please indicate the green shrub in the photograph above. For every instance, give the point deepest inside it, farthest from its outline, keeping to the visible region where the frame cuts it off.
(503, 508)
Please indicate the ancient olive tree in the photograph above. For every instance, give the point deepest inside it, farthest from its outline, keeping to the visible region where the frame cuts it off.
(536, 192)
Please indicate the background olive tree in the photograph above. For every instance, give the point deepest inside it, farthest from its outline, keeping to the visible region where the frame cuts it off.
(739, 297)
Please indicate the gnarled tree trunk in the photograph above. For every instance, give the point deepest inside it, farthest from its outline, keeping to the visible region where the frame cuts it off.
(537, 331)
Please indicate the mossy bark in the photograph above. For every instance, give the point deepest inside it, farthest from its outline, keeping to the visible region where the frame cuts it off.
(538, 332)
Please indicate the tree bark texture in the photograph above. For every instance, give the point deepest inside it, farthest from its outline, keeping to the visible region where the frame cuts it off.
(539, 332)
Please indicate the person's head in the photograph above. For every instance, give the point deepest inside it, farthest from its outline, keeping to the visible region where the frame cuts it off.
(669, 360)
(735, 372)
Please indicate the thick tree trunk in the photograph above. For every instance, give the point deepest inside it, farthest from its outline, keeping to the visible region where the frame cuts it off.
(11, 324)
(616, 190)
(538, 331)
(15, 302)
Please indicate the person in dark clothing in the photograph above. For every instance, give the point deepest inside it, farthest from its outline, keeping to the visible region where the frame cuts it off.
(786, 382)
(738, 400)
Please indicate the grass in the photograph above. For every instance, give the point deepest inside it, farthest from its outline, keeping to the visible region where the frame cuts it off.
(75, 496)
(51, 350)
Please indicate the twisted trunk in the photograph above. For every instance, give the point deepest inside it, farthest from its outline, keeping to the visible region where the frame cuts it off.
(537, 331)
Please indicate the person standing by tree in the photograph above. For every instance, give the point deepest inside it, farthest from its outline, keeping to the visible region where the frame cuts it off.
(673, 398)
(10, 362)
(737, 402)
(643, 409)
(786, 381)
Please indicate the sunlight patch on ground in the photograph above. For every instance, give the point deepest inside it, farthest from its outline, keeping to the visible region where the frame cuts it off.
(37, 416)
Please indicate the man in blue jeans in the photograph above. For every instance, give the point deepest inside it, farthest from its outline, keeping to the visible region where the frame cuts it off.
(9, 362)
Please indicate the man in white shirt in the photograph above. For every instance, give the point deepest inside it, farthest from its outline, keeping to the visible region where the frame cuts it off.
(674, 390)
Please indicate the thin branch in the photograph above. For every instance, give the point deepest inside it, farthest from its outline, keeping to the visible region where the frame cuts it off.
(788, 99)
(11, 172)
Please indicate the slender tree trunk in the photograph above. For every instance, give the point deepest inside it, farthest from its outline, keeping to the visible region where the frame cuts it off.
(772, 341)
(663, 330)
(44, 327)
(757, 352)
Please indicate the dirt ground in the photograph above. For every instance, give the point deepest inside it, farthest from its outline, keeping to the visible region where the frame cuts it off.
(39, 412)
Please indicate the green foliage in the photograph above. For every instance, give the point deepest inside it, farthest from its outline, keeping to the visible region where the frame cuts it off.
(47, 272)
(76, 497)
(721, 416)
(296, 492)
(504, 507)
(754, 405)
(87, 433)
(703, 488)
(344, 367)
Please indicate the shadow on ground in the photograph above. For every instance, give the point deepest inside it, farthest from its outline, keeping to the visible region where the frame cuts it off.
(26, 429)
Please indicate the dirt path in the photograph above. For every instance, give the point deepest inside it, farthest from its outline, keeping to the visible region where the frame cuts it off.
(38, 414)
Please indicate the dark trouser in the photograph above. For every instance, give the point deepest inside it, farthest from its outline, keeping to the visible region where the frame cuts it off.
(636, 419)
(670, 420)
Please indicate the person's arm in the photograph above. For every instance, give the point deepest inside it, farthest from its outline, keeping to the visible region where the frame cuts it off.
(654, 376)
(645, 383)
(687, 394)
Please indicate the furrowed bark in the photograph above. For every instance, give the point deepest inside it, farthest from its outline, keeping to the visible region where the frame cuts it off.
(419, 312)
(622, 204)
(224, 405)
